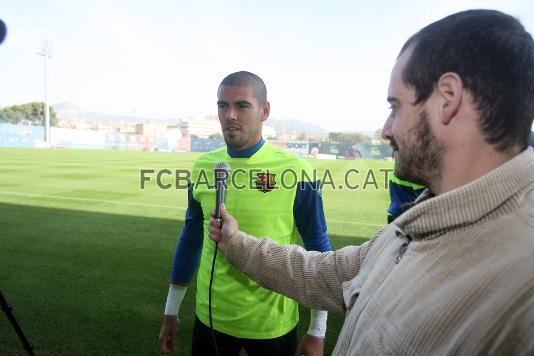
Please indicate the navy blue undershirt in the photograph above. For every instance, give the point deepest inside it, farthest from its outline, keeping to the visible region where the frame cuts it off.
(245, 153)
(307, 211)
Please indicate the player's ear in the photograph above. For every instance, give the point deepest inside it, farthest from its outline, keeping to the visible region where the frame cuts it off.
(265, 110)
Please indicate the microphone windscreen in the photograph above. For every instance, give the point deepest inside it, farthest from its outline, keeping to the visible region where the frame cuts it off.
(222, 171)
(222, 165)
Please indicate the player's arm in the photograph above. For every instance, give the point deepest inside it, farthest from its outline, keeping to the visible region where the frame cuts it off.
(309, 218)
(185, 264)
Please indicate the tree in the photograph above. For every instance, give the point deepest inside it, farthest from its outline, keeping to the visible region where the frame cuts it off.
(27, 113)
(349, 137)
(335, 136)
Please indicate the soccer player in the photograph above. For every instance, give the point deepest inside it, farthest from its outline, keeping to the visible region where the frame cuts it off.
(270, 195)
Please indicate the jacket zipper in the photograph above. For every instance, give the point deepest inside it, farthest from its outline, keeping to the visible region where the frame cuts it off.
(404, 246)
(400, 254)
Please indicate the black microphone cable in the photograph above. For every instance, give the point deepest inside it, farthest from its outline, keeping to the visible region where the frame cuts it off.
(221, 172)
(209, 297)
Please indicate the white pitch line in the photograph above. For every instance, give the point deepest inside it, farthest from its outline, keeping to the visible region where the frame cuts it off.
(145, 205)
(33, 195)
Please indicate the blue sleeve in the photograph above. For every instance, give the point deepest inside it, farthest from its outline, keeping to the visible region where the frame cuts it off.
(309, 217)
(187, 257)
(399, 195)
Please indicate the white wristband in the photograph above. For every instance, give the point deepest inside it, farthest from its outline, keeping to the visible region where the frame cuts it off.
(174, 299)
(318, 320)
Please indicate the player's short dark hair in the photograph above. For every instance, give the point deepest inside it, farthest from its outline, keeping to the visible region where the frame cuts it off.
(244, 78)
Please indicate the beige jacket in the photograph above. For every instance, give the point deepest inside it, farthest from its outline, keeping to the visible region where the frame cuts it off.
(454, 275)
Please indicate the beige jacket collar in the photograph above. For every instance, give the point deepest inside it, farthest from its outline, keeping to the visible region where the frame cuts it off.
(432, 216)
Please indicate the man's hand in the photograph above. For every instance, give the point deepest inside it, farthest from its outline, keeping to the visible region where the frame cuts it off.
(168, 335)
(310, 346)
(222, 231)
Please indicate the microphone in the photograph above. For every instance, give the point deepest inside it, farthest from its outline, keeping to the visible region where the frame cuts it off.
(221, 172)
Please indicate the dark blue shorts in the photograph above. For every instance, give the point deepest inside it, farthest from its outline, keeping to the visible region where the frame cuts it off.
(227, 345)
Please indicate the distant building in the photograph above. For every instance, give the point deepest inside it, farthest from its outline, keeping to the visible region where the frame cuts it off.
(66, 124)
(202, 128)
(151, 129)
(125, 127)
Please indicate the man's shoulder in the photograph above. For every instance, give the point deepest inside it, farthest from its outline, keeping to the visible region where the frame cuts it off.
(291, 159)
(211, 157)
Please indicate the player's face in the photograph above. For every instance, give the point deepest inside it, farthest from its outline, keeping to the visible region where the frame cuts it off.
(418, 152)
(241, 116)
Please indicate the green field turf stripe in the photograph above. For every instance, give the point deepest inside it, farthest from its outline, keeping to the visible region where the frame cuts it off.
(34, 195)
(353, 223)
(145, 205)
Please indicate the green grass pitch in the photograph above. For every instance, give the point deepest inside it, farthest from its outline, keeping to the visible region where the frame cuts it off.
(85, 254)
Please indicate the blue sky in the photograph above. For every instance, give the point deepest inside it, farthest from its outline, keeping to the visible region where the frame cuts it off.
(325, 62)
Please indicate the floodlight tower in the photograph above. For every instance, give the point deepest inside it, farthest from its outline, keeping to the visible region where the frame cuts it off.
(46, 52)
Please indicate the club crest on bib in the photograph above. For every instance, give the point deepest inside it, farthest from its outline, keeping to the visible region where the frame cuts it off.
(265, 182)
